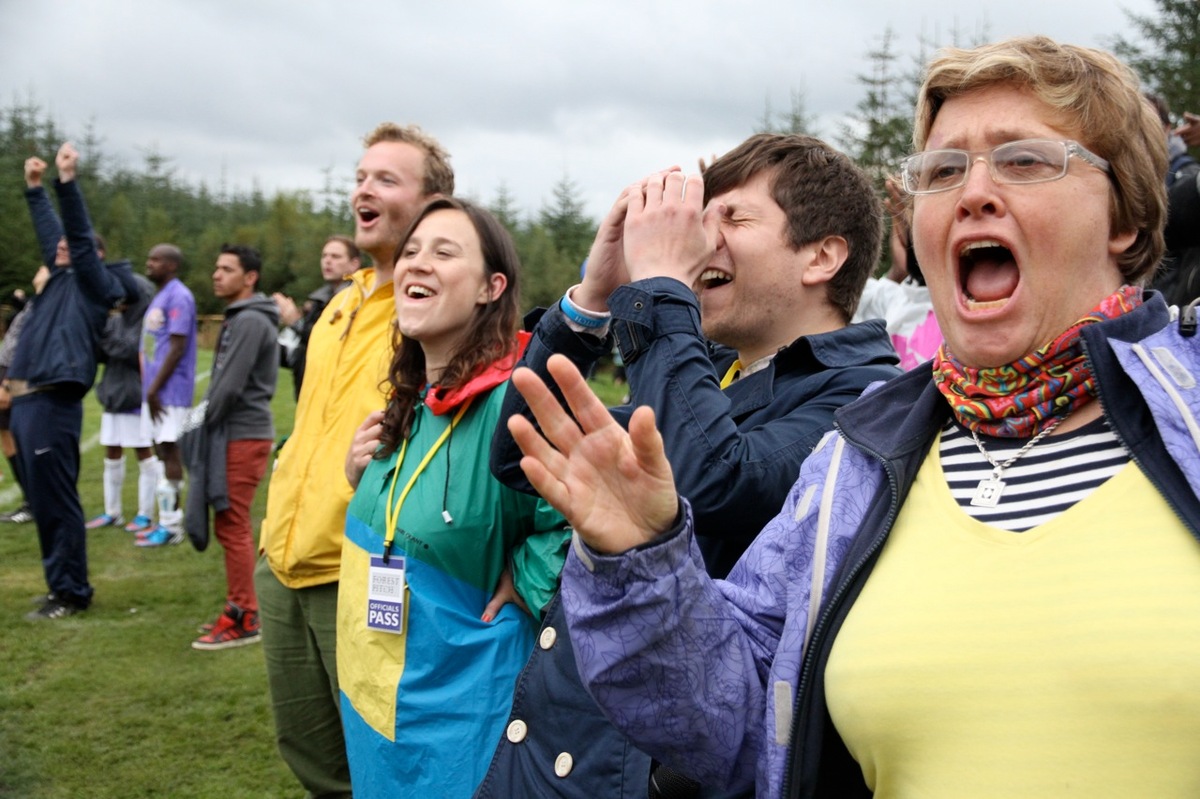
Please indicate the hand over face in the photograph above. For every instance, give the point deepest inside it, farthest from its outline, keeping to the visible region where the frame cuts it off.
(606, 270)
(668, 231)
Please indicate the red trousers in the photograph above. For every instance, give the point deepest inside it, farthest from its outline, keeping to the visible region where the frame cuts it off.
(245, 465)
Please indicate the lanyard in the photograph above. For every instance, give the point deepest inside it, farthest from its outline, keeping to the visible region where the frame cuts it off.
(392, 513)
(735, 369)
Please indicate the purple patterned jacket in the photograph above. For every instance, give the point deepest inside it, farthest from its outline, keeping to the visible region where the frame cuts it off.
(724, 680)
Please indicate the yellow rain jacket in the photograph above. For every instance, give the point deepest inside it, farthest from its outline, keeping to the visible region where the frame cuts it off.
(348, 356)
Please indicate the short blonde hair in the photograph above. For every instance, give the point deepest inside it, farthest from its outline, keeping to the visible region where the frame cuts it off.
(439, 176)
(1096, 95)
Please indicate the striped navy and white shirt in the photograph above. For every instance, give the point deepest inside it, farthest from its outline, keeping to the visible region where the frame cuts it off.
(1057, 472)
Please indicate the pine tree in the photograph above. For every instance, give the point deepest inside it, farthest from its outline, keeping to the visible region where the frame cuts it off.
(795, 120)
(564, 220)
(504, 208)
(1167, 53)
(880, 131)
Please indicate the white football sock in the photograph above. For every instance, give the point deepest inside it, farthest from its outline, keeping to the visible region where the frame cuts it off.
(114, 481)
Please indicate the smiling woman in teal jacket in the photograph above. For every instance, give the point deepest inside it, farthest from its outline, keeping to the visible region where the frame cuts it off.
(426, 663)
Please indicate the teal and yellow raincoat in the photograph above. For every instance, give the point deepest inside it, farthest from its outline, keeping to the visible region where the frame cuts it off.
(423, 709)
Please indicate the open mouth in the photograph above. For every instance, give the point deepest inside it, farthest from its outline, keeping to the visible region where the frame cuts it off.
(989, 274)
(418, 292)
(366, 215)
(711, 278)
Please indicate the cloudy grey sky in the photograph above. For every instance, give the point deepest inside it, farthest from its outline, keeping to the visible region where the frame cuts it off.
(521, 93)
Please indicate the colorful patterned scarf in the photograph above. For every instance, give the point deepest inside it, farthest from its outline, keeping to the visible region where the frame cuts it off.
(1019, 399)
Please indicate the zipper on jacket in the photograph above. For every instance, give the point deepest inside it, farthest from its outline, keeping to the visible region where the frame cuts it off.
(808, 664)
(1100, 397)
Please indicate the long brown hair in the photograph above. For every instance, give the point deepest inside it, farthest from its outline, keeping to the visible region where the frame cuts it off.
(489, 336)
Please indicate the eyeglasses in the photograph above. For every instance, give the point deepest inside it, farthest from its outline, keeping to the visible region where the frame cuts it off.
(1024, 161)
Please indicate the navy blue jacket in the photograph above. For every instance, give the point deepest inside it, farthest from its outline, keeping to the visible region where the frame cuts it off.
(58, 345)
(734, 454)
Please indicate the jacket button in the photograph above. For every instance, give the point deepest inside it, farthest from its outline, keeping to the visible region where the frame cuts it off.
(639, 305)
(517, 730)
(547, 638)
(563, 764)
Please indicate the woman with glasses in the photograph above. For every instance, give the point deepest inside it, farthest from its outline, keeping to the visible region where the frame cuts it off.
(986, 581)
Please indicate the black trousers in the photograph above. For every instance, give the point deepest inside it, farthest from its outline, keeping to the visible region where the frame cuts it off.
(47, 427)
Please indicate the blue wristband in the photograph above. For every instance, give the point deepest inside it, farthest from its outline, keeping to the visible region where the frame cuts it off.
(579, 317)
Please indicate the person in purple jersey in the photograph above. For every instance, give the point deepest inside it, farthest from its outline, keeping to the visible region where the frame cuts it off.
(169, 378)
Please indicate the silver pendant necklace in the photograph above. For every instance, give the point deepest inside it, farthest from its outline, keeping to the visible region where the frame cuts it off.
(987, 493)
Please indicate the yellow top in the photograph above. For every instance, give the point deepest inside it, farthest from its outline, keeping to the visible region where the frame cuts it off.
(1063, 661)
(349, 351)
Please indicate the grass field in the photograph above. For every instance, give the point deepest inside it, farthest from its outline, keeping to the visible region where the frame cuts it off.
(114, 703)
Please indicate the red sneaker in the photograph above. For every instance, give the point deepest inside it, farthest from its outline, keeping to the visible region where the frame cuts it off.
(234, 627)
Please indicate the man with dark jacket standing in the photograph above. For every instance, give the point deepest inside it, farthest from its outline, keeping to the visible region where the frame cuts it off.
(120, 394)
(340, 259)
(238, 433)
(52, 369)
(730, 299)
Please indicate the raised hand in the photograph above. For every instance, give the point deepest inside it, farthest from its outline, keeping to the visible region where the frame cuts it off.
(606, 270)
(668, 231)
(34, 169)
(1189, 131)
(40, 278)
(614, 487)
(67, 160)
(289, 314)
(896, 205)
(363, 446)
